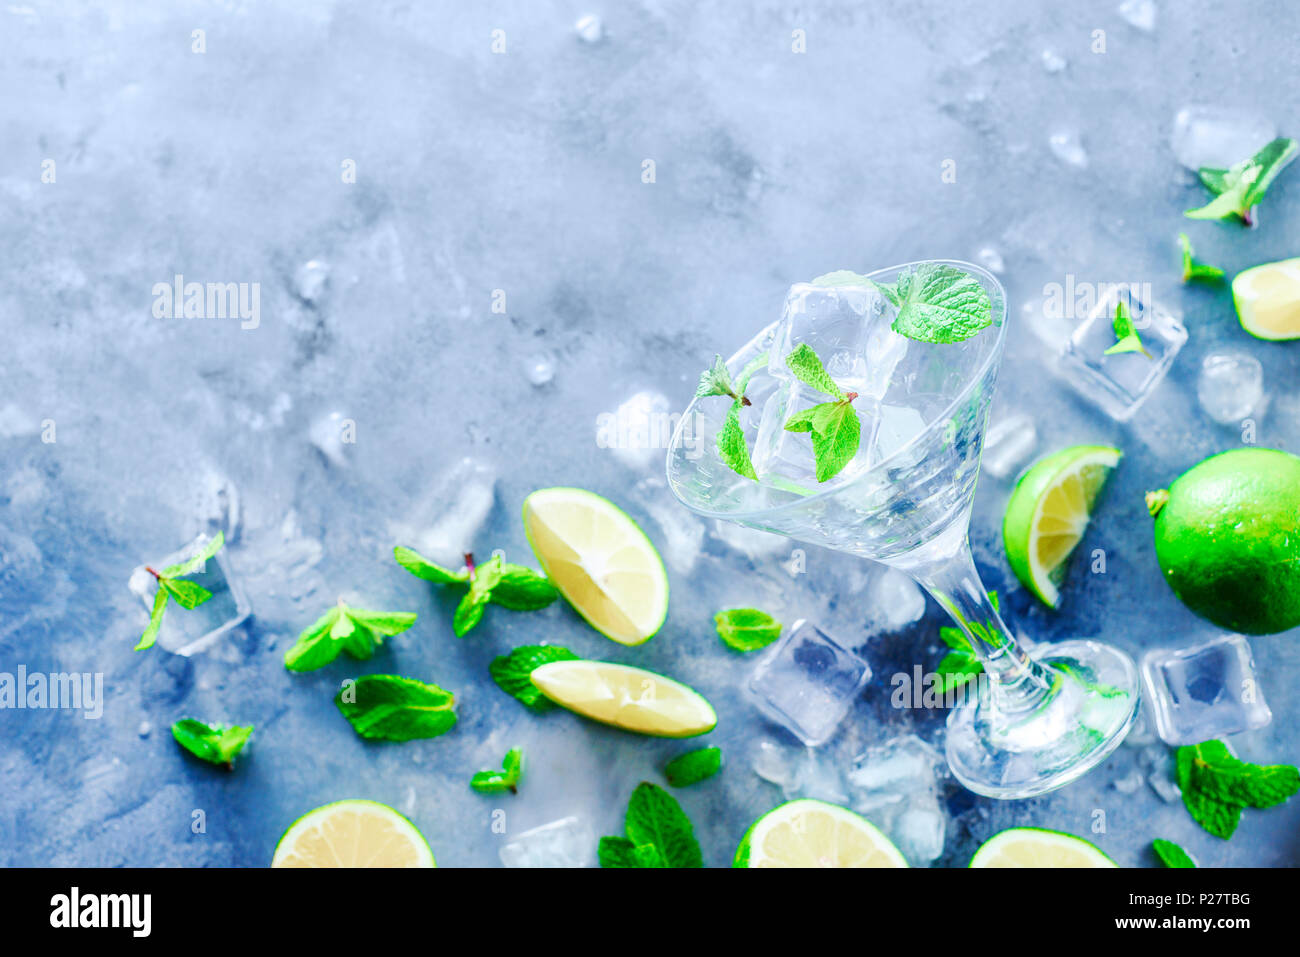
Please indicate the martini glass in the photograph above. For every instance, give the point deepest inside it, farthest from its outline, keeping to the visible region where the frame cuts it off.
(1035, 722)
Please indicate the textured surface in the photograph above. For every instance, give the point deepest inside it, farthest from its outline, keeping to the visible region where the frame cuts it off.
(523, 172)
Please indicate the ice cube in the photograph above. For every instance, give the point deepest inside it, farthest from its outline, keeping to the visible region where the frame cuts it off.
(638, 430)
(1139, 13)
(567, 842)
(330, 433)
(902, 766)
(1230, 386)
(775, 763)
(1068, 148)
(1204, 691)
(817, 777)
(779, 454)
(444, 524)
(896, 426)
(310, 279)
(1007, 444)
(1129, 783)
(807, 683)
(1118, 384)
(1218, 138)
(188, 631)
(918, 830)
(683, 533)
(1162, 769)
(894, 600)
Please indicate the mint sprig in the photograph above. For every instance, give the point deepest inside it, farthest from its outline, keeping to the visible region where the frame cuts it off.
(731, 444)
(1238, 190)
(961, 664)
(494, 581)
(393, 708)
(654, 821)
(172, 584)
(214, 743)
(1193, 268)
(511, 673)
(834, 426)
(344, 629)
(1217, 785)
(937, 303)
(1170, 854)
(507, 779)
(693, 767)
(746, 629)
(1126, 334)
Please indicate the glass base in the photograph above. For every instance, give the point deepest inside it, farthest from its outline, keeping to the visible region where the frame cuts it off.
(1072, 728)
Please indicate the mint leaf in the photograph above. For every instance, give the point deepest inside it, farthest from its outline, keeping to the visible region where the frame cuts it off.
(393, 708)
(654, 817)
(1194, 268)
(198, 560)
(211, 742)
(807, 368)
(421, 567)
(620, 852)
(1126, 334)
(1217, 785)
(511, 673)
(732, 448)
(836, 433)
(522, 589)
(155, 621)
(693, 767)
(469, 612)
(507, 779)
(1170, 854)
(938, 303)
(187, 594)
(746, 629)
(1240, 189)
(341, 629)
(716, 380)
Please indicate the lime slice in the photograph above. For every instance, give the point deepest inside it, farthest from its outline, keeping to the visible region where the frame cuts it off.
(352, 834)
(1036, 847)
(629, 698)
(808, 833)
(1048, 512)
(1267, 298)
(601, 562)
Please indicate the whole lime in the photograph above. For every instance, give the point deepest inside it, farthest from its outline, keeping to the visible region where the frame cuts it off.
(1228, 539)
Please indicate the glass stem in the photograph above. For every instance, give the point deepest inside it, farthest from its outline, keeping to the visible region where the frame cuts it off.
(1018, 682)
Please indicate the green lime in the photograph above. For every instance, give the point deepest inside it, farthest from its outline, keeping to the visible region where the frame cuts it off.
(629, 698)
(1228, 539)
(352, 834)
(1267, 298)
(1038, 847)
(1048, 512)
(808, 833)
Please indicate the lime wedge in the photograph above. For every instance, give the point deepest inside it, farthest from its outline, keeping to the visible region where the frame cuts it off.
(808, 833)
(629, 698)
(1048, 512)
(601, 562)
(352, 834)
(1267, 298)
(1036, 847)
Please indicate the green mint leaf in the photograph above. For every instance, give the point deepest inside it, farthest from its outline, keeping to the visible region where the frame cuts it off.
(382, 623)
(511, 672)
(1192, 267)
(1239, 189)
(746, 629)
(1216, 772)
(716, 380)
(654, 817)
(315, 646)
(1170, 854)
(507, 779)
(835, 433)
(421, 567)
(955, 638)
(187, 594)
(620, 852)
(1126, 334)
(211, 742)
(732, 448)
(807, 368)
(150, 634)
(522, 589)
(693, 767)
(957, 668)
(354, 630)
(199, 559)
(470, 610)
(392, 708)
(938, 303)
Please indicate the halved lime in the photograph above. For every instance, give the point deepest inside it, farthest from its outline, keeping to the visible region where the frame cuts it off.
(1267, 298)
(808, 833)
(1048, 512)
(629, 698)
(352, 833)
(1037, 847)
(600, 560)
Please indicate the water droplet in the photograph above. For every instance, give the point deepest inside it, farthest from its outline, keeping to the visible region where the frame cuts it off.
(589, 28)
(310, 280)
(1068, 148)
(540, 369)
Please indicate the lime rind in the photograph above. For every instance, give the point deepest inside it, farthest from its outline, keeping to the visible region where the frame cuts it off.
(1044, 838)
